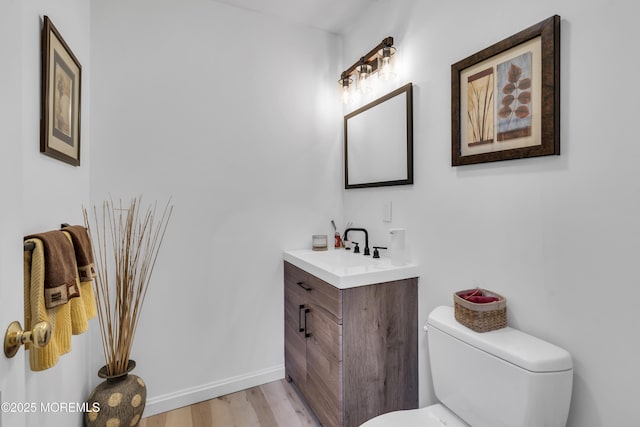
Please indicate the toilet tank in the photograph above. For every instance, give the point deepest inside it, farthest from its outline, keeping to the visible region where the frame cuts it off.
(502, 378)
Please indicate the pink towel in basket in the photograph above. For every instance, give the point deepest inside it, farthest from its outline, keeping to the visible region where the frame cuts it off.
(477, 296)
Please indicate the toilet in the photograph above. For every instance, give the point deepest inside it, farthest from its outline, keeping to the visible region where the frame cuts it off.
(502, 378)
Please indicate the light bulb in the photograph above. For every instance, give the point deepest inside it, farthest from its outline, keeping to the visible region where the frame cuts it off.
(364, 78)
(386, 67)
(345, 93)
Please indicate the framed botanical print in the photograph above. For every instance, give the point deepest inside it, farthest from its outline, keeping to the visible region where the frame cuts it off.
(505, 99)
(61, 86)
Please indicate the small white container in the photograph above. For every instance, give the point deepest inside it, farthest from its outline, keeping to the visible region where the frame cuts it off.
(319, 242)
(397, 249)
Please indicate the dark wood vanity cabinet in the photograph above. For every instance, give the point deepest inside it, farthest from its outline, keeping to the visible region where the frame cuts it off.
(351, 352)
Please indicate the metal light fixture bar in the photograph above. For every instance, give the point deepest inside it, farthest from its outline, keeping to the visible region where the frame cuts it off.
(370, 58)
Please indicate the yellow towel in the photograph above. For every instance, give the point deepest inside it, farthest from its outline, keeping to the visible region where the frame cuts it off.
(35, 310)
(84, 308)
(67, 319)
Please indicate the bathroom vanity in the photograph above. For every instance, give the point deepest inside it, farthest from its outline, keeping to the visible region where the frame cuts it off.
(351, 334)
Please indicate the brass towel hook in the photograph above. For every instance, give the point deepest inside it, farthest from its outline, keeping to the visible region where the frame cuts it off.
(16, 336)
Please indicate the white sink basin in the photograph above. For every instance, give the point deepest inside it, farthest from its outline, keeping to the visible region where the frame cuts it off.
(344, 269)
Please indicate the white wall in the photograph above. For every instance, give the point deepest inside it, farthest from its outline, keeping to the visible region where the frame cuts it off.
(558, 236)
(234, 114)
(38, 192)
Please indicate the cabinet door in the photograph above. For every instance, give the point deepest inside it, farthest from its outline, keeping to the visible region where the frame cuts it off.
(380, 349)
(324, 355)
(295, 346)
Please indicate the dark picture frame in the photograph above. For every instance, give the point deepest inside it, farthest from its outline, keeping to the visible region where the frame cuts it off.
(505, 99)
(61, 96)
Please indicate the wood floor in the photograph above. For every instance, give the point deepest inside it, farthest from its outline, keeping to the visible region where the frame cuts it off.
(269, 405)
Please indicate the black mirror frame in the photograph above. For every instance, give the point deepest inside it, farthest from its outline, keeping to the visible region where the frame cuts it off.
(408, 90)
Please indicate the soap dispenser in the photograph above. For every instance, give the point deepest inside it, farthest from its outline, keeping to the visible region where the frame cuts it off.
(397, 250)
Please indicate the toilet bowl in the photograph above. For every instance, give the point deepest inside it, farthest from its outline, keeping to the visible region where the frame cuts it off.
(431, 416)
(502, 378)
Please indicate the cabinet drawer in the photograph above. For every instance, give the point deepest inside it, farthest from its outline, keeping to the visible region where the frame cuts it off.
(320, 293)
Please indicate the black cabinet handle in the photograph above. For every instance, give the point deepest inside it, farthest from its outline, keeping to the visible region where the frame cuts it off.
(307, 334)
(300, 328)
(304, 286)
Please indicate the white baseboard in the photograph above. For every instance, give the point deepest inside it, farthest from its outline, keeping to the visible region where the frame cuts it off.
(189, 396)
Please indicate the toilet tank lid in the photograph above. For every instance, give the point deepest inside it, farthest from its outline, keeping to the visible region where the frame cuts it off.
(511, 345)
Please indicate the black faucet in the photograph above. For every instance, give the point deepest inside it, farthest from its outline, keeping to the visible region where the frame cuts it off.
(366, 238)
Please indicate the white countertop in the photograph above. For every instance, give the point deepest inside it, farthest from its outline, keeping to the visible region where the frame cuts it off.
(344, 269)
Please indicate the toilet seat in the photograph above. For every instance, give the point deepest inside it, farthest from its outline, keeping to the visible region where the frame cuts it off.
(431, 416)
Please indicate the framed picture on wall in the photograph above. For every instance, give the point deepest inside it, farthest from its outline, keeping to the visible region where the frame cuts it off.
(61, 85)
(505, 99)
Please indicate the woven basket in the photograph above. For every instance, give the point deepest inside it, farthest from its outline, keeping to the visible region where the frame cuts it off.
(481, 317)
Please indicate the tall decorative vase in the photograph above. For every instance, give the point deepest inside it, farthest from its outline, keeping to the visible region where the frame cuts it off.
(118, 401)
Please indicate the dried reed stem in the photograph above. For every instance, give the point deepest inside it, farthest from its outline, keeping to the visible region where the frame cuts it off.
(125, 242)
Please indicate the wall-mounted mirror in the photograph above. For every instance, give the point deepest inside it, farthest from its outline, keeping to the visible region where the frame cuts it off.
(378, 141)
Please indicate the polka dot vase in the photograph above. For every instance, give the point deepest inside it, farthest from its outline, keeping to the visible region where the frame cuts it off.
(118, 401)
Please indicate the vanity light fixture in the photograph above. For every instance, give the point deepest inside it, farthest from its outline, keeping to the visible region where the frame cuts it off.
(345, 89)
(364, 72)
(379, 60)
(386, 55)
